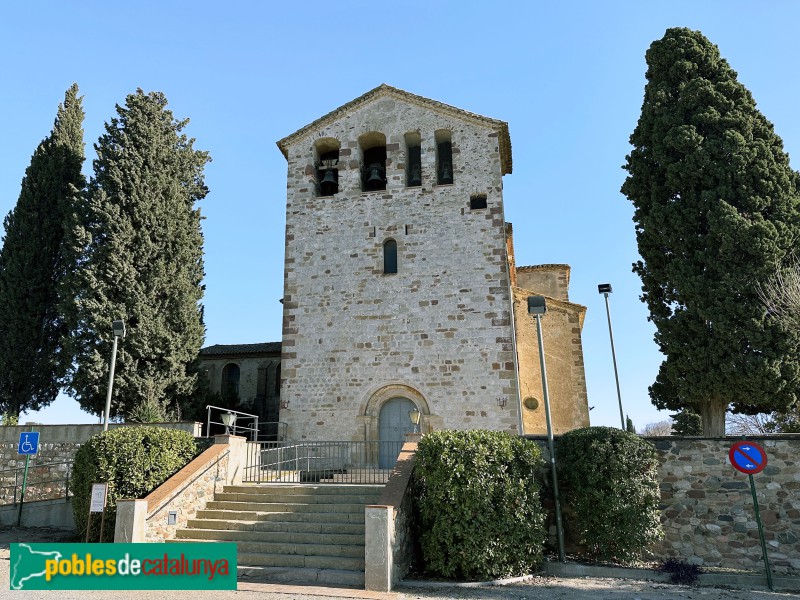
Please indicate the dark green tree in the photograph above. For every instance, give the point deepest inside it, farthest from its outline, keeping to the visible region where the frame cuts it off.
(140, 259)
(716, 211)
(686, 422)
(33, 264)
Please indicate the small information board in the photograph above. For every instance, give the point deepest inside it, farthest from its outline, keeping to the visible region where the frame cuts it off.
(28, 442)
(748, 457)
(98, 502)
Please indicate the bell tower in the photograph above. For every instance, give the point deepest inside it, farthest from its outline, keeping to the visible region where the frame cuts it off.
(397, 291)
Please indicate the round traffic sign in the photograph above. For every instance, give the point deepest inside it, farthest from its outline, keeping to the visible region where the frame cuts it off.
(748, 457)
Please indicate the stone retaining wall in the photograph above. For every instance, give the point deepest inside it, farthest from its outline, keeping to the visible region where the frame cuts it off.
(50, 469)
(191, 489)
(707, 505)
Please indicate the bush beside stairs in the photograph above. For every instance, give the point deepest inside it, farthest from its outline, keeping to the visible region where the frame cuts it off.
(290, 533)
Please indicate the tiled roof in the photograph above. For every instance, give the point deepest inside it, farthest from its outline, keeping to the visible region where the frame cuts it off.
(231, 349)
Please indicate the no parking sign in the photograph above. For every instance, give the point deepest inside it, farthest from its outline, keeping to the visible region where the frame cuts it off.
(748, 457)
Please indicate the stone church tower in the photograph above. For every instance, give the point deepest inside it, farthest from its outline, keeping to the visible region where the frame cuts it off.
(400, 282)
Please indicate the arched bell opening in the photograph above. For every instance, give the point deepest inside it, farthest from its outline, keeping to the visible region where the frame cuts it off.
(373, 166)
(327, 166)
(444, 157)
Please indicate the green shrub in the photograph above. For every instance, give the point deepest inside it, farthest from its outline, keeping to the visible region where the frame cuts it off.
(610, 492)
(133, 460)
(479, 511)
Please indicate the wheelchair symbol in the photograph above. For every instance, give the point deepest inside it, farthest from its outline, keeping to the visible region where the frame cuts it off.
(28, 442)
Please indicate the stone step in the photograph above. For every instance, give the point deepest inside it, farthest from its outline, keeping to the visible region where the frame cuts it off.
(304, 488)
(361, 499)
(247, 559)
(282, 507)
(290, 551)
(263, 515)
(272, 537)
(326, 577)
(278, 526)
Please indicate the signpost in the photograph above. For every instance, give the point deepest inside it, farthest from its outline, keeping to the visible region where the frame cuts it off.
(97, 504)
(28, 445)
(750, 458)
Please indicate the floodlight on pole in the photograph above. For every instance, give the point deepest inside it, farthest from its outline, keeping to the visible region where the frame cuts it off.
(118, 328)
(605, 289)
(537, 306)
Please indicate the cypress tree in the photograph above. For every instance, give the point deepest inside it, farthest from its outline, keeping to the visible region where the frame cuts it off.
(716, 211)
(33, 263)
(140, 259)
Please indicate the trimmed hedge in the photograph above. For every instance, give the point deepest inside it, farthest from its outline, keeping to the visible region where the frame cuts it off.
(479, 511)
(134, 461)
(611, 493)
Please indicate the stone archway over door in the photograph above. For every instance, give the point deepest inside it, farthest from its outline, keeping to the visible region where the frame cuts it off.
(393, 425)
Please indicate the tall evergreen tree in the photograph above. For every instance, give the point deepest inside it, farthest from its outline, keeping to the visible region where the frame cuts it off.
(716, 211)
(33, 263)
(140, 259)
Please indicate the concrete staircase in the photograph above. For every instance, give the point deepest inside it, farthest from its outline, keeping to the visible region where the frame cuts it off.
(290, 533)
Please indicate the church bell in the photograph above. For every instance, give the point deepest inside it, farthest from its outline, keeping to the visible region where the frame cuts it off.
(415, 177)
(329, 185)
(375, 174)
(446, 173)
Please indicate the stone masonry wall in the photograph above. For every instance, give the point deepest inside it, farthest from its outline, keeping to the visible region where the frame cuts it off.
(51, 468)
(188, 499)
(440, 326)
(48, 472)
(566, 381)
(707, 505)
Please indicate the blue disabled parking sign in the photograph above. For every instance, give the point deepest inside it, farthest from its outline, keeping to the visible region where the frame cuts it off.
(28, 442)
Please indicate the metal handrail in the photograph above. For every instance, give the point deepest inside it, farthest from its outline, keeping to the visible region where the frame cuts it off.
(321, 461)
(280, 430)
(253, 429)
(33, 482)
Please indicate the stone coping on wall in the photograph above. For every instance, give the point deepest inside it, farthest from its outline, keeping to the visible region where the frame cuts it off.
(183, 478)
(395, 488)
(80, 433)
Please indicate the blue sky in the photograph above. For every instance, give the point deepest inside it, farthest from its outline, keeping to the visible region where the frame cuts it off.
(567, 76)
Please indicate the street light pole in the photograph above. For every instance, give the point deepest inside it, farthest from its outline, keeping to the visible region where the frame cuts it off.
(537, 307)
(119, 332)
(605, 289)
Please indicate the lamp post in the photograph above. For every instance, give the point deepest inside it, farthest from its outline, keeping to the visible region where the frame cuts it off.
(415, 415)
(538, 307)
(118, 327)
(605, 289)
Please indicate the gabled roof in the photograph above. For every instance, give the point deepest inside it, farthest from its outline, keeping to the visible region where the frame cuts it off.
(386, 90)
(236, 349)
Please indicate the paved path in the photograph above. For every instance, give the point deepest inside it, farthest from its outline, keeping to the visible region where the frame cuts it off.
(540, 588)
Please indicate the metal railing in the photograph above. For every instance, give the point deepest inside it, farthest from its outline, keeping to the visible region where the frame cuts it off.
(43, 483)
(272, 431)
(320, 462)
(234, 426)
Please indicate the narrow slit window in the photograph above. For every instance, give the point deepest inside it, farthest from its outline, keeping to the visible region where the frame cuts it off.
(389, 257)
